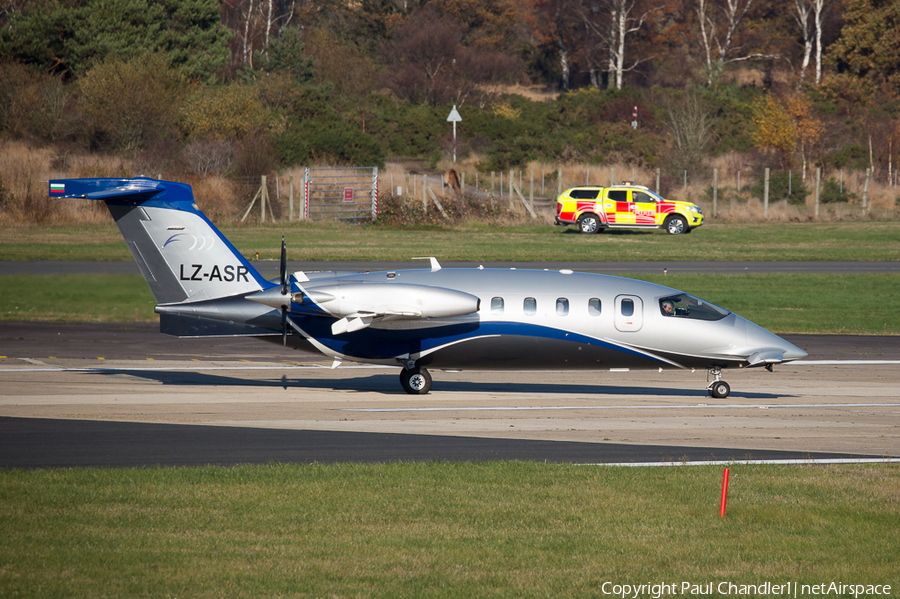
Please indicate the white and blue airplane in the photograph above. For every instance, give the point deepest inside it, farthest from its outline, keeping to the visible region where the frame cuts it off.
(420, 319)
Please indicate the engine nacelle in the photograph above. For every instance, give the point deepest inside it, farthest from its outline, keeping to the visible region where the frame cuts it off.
(392, 299)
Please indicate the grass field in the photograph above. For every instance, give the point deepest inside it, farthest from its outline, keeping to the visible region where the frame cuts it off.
(867, 240)
(503, 529)
(783, 303)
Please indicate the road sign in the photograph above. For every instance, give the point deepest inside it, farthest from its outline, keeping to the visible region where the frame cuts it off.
(454, 118)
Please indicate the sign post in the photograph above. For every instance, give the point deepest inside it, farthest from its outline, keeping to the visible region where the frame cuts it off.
(454, 118)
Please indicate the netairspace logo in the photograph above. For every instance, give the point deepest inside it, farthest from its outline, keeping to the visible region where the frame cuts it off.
(786, 589)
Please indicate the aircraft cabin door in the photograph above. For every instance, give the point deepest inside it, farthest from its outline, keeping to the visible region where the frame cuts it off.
(629, 313)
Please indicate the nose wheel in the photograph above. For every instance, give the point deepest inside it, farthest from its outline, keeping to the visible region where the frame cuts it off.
(718, 389)
(416, 380)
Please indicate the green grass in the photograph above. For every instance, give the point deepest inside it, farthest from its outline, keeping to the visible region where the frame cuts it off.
(78, 298)
(506, 529)
(783, 303)
(476, 242)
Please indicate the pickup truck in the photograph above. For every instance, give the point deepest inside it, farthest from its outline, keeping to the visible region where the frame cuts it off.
(626, 206)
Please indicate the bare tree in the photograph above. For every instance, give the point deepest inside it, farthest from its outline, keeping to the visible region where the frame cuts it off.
(612, 21)
(819, 8)
(802, 13)
(719, 23)
(691, 124)
(559, 20)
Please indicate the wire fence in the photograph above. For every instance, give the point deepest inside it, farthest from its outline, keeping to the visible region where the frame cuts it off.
(863, 192)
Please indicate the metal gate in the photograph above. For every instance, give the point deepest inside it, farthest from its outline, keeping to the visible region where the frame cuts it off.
(347, 194)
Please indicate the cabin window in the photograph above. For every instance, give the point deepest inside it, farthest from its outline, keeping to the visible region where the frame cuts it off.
(584, 194)
(627, 307)
(688, 306)
(530, 306)
(617, 195)
(594, 306)
(562, 306)
(496, 305)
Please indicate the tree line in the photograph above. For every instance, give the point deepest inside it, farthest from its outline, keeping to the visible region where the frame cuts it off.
(244, 86)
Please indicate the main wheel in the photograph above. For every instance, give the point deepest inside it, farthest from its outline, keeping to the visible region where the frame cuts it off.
(719, 390)
(416, 381)
(676, 225)
(589, 223)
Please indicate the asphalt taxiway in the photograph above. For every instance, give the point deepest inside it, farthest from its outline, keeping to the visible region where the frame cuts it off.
(124, 395)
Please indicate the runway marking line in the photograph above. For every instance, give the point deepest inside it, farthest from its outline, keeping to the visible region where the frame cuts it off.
(701, 406)
(885, 460)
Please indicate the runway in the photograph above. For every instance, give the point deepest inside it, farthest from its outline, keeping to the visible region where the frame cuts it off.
(124, 395)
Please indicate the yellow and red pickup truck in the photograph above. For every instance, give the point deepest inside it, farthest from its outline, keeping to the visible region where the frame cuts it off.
(626, 206)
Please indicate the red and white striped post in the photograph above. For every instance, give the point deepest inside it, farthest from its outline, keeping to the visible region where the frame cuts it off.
(724, 494)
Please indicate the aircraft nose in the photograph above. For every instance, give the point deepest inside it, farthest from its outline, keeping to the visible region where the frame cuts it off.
(791, 351)
(769, 348)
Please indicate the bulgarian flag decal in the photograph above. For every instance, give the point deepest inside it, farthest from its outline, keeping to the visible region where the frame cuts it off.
(57, 188)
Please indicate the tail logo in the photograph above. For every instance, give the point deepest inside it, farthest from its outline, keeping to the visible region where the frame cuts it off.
(197, 243)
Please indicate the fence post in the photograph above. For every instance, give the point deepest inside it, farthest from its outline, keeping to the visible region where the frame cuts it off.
(559, 185)
(715, 191)
(262, 199)
(492, 182)
(291, 199)
(866, 188)
(657, 179)
(531, 193)
(818, 180)
(612, 176)
(424, 197)
(766, 193)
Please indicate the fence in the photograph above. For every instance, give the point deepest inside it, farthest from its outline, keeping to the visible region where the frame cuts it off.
(714, 187)
(351, 194)
(346, 194)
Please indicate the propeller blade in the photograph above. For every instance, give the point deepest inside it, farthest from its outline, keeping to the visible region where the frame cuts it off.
(284, 331)
(283, 271)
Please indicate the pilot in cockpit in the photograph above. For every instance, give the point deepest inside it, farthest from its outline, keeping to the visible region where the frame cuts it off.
(668, 308)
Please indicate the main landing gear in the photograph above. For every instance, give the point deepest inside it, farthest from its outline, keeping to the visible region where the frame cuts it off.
(717, 388)
(415, 380)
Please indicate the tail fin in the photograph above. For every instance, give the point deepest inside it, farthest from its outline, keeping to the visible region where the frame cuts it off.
(181, 254)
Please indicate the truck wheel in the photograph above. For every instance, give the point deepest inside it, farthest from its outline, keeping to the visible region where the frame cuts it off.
(589, 223)
(676, 225)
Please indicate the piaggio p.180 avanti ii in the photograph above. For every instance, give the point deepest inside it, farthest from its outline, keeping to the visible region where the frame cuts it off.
(439, 318)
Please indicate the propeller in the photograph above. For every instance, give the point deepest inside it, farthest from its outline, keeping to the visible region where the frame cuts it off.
(284, 290)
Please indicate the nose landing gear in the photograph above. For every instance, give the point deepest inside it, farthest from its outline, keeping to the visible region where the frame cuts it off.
(717, 388)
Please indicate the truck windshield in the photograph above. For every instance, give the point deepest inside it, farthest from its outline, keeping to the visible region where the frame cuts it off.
(688, 306)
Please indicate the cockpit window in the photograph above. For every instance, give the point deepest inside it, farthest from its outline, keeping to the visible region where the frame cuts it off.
(688, 306)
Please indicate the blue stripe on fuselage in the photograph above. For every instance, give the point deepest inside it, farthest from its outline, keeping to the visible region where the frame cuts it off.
(381, 344)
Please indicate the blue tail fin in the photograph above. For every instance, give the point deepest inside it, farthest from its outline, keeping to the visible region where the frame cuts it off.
(181, 254)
